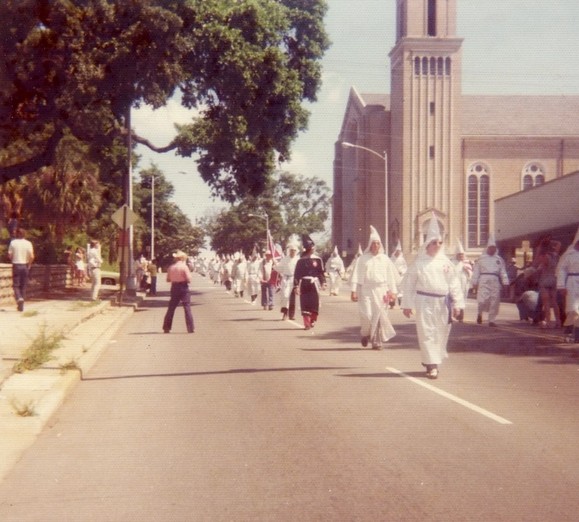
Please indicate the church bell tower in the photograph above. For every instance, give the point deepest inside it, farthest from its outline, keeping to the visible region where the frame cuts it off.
(425, 149)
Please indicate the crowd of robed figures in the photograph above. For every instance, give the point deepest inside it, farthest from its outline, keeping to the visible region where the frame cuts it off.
(433, 288)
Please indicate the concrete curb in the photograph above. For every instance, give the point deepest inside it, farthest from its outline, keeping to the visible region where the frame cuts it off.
(42, 392)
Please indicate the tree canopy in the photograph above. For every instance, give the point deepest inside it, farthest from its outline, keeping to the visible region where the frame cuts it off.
(173, 229)
(293, 204)
(76, 68)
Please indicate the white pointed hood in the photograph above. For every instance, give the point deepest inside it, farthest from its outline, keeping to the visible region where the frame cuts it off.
(433, 233)
(374, 236)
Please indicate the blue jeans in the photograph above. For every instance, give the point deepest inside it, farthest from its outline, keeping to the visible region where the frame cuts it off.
(267, 295)
(19, 280)
(179, 294)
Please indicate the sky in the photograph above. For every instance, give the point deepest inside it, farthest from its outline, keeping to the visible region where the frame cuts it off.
(509, 47)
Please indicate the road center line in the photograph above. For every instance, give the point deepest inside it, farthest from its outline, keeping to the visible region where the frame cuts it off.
(451, 397)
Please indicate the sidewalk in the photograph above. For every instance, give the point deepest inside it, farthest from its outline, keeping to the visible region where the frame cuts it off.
(28, 400)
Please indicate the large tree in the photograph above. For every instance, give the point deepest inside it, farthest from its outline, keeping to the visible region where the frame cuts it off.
(78, 67)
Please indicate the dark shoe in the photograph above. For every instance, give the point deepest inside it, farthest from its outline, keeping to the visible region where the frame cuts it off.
(20, 305)
(364, 341)
(479, 319)
(291, 318)
(165, 330)
(190, 331)
(432, 373)
(493, 324)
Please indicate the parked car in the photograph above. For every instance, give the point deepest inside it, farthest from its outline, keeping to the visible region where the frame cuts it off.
(110, 278)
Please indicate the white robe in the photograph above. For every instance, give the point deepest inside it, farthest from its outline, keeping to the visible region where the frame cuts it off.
(253, 277)
(489, 274)
(286, 268)
(335, 268)
(464, 273)
(373, 278)
(239, 276)
(435, 276)
(568, 278)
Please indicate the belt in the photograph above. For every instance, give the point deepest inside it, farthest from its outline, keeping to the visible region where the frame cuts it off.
(447, 299)
(428, 294)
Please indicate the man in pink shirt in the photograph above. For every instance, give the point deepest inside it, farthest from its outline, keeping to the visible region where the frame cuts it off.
(179, 276)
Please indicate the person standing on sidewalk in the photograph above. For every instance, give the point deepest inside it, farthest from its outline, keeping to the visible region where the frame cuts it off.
(431, 287)
(179, 275)
(153, 270)
(94, 262)
(309, 279)
(488, 278)
(568, 283)
(375, 282)
(21, 254)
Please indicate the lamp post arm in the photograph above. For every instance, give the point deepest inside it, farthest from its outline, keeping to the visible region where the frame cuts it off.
(354, 146)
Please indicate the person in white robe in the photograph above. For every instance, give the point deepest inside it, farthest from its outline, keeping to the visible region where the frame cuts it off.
(464, 270)
(374, 282)
(286, 268)
(401, 265)
(568, 284)
(253, 283)
(336, 271)
(352, 265)
(431, 288)
(488, 278)
(239, 274)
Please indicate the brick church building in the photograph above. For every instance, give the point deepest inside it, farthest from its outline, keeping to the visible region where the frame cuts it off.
(426, 148)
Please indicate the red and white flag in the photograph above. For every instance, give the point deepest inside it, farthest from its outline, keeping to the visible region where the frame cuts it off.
(276, 252)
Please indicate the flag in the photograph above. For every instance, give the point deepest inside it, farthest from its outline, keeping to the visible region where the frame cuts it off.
(276, 254)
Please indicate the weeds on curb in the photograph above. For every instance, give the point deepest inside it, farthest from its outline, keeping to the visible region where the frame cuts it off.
(70, 365)
(39, 351)
(79, 305)
(30, 313)
(23, 409)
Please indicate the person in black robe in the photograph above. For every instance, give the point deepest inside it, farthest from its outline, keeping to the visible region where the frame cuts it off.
(309, 279)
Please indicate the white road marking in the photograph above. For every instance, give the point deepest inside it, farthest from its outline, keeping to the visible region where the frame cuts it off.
(451, 397)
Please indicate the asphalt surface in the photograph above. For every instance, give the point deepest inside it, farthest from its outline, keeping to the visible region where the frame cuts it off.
(253, 418)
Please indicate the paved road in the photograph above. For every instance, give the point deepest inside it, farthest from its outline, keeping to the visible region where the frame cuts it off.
(251, 418)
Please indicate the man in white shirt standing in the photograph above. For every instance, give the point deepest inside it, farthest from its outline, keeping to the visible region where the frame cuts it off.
(94, 262)
(21, 254)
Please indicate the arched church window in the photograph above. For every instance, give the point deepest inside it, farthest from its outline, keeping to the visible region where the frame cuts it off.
(478, 183)
(440, 64)
(447, 66)
(424, 65)
(433, 65)
(533, 175)
(417, 66)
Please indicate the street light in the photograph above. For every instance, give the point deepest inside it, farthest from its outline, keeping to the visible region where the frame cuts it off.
(266, 217)
(384, 158)
(152, 216)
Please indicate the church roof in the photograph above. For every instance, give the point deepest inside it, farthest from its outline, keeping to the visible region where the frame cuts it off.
(524, 115)
(509, 115)
(376, 99)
